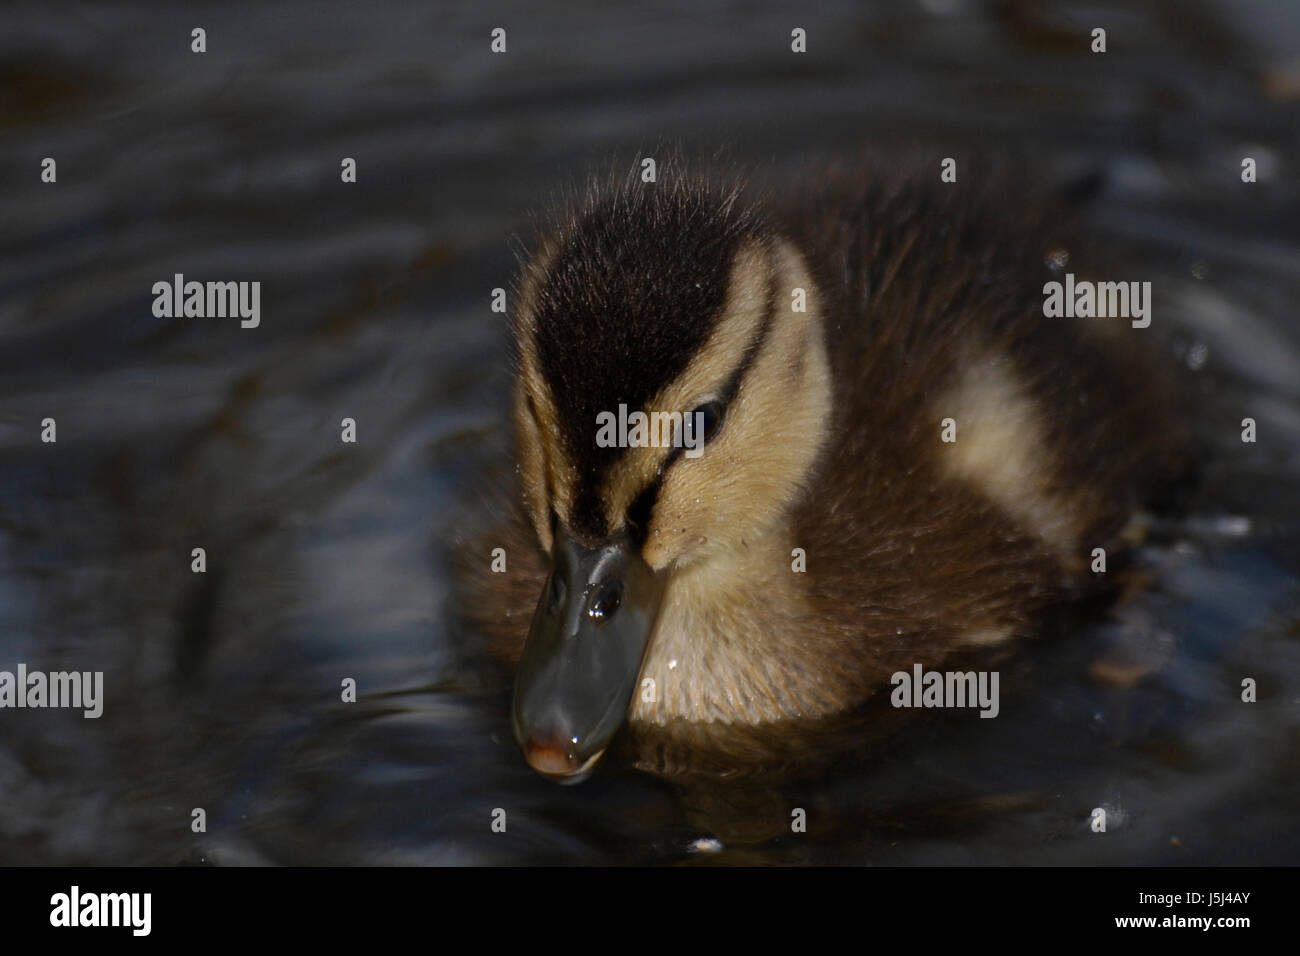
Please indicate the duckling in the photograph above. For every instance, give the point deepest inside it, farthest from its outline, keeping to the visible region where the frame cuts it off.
(898, 456)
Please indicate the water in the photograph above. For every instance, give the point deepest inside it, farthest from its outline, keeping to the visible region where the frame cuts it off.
(223, 689)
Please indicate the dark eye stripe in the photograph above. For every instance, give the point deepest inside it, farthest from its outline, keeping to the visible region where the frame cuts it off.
(642, 507)
(755, 347)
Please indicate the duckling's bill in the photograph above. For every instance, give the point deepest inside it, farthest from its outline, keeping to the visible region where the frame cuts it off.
(583, 655)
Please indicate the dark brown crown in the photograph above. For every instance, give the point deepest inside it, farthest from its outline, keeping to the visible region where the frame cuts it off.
(638, 276)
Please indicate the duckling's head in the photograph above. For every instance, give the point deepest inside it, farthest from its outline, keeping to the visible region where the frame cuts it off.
(675, 300)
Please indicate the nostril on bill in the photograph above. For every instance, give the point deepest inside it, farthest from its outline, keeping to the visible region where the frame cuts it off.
(606, 601)
(557, 595)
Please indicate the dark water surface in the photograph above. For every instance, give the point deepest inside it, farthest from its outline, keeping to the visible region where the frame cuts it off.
(222, 690)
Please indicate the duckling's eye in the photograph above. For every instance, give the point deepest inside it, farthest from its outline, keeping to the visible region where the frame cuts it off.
(606, 601)
(710, 416)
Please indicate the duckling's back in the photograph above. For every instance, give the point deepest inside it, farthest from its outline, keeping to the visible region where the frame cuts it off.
(988, 458)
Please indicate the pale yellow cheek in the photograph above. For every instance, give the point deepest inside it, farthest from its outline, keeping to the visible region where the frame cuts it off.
(686, 516)
(721, 503)
(745, 483)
